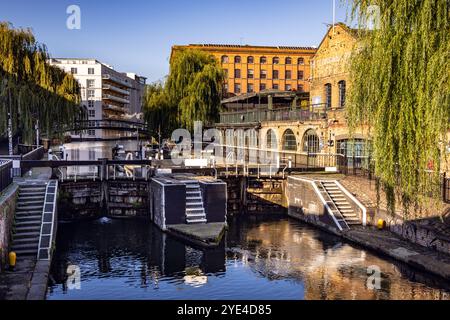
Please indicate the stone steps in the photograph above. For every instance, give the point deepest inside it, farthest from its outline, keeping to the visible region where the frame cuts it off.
(195, 212)
(28, 219)
(341, 203)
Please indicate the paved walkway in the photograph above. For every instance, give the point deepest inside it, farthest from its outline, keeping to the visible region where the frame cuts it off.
(395, 247)
(29, 278)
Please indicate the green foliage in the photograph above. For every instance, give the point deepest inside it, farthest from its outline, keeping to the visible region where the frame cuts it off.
(192, 92)
(31, 88)
(401, 89)
(160, 114)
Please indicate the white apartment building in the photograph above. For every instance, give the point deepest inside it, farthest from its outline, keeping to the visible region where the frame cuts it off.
(106, 94)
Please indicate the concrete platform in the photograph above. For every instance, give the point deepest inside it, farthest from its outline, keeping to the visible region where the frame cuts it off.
(205, 234)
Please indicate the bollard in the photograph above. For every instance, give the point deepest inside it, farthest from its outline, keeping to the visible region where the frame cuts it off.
(381, 224)
(12, 260)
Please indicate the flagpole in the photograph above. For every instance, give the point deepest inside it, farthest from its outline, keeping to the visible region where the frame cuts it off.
(334, 14)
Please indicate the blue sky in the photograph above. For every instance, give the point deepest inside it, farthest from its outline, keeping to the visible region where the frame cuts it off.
(136, 35)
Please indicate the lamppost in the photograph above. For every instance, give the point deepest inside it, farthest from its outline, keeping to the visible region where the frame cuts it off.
(36, 127)
(10, 135)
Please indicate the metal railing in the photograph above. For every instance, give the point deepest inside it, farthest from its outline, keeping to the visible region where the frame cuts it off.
(5, 174)
(261, 114)
(446, 188)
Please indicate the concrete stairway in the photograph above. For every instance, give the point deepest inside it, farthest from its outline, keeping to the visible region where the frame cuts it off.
(341, 203)
(28, 218)
(195, 212)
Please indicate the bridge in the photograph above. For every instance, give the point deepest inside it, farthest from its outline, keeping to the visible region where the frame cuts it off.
(106, 124)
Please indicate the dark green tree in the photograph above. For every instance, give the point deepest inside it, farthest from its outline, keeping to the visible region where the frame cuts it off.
(195, 85)
(30, 88)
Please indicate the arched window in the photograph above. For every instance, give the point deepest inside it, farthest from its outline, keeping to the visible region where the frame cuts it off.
(271, 140)
(301, 61)
(342, 89)
(275, 60)
(288, 60)
(328, 95)
(237, 59)
(263, 60)
(310, 142)
(224, 59)
(289, 141)
(250, 59)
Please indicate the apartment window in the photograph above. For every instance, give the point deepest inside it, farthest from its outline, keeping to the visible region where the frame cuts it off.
(275, 74)
(237, 88)
(91, 71)
(92, 154)
(301, 61)
(288, 74)
(288, 60)
(90, 83)
(275, 86)
(263, 60)
(276, 60)
(300, 88)
(328, 95)
(288, 87)
(237, 59)
(73, 70)
(91, 94)
(237, 73)
(300, 74)
(250, 73)
(91, 132)
(342, 89)
(250, 59)
(262, 86)
(250, 88)
(91, 113)
(263, 74)
(91, 104)
(224, 59)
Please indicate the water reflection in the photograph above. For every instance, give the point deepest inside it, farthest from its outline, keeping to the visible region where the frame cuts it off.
(259, 260)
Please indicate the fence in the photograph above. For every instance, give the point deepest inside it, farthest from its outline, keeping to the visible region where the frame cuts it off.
(32, 153)
(5, 174)
(265, 114)
(446, 188)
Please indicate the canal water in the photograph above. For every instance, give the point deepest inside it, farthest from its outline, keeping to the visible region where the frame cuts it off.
(259, 259)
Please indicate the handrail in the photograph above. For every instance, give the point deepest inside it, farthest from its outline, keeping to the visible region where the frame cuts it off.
(358, 203)
(327, 207)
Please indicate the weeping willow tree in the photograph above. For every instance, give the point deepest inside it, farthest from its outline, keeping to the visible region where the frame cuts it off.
(400, 77)
(31, 89)
(195, 85)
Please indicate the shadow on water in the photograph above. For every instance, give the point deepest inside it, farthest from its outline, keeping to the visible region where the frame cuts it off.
(259, 259)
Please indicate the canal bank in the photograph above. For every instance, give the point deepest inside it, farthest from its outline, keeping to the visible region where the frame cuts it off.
(30, 235)
(308, 202)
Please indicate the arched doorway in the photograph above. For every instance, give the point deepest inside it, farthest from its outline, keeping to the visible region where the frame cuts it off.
(310, 142)
(289, 142)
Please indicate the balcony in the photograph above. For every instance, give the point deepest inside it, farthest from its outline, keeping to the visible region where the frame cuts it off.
(116, 80)
(114, 108)
(107, 96)
(261, 114)
(115, 89)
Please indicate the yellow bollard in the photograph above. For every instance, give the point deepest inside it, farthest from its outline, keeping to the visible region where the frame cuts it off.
(12, 260)
(381, 224)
